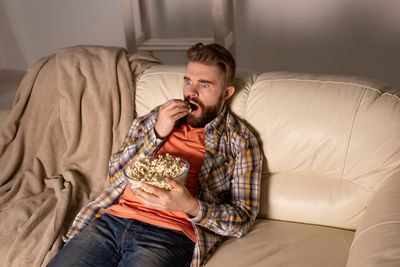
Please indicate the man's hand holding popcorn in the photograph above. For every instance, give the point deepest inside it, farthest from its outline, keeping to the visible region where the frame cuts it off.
(177, 199)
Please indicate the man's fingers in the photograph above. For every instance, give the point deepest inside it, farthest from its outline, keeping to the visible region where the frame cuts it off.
(169, 113)
(146, 197)
(174, 103)
(153, 190)
(179, 115)
(178, 110)
(173, 183)
(174, 109)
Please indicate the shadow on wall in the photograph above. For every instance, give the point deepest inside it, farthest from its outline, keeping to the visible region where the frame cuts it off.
(179, 19)
(340, 37)
(11, 53)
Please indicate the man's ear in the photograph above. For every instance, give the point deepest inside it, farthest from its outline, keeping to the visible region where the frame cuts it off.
(229, 92)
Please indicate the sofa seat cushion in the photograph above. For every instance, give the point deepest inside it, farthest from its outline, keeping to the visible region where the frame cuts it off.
(279, 243)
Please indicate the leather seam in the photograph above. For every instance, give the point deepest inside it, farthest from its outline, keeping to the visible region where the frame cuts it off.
(351, 132)
(336, 82)
(369, 229)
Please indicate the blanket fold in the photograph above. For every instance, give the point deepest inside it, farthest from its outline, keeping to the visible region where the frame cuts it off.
(71, 111)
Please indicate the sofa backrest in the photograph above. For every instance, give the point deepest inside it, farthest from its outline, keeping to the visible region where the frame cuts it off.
(329, 141)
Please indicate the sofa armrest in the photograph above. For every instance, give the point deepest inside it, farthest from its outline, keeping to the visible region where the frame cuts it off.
(3, 116)
(377, 238)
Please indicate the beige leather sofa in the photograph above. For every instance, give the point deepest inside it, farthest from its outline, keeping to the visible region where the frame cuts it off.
(331, 177)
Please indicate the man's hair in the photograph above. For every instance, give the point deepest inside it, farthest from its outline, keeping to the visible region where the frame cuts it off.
(214, 54)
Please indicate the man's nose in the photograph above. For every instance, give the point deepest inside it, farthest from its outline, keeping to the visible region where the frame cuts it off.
(193, 91)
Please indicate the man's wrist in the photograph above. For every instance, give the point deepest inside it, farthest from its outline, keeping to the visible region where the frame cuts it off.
(193, 208)
(157, 134)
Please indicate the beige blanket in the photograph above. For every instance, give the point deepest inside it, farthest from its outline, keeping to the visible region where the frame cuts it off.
(72, 110)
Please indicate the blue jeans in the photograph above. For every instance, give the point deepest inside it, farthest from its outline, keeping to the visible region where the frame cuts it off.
(114, 241)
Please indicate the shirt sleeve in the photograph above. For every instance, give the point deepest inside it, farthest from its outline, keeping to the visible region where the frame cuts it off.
(140, 140)
(236, 217)
(94, 209)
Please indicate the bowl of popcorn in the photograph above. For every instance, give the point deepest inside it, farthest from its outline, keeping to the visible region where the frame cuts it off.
(154, 171)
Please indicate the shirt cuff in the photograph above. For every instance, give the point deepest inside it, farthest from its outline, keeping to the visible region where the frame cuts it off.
(154, 141)
(203, 215)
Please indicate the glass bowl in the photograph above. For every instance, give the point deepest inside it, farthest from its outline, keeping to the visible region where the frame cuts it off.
(153, 172)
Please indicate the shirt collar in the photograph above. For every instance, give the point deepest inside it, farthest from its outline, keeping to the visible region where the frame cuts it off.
(217, 122)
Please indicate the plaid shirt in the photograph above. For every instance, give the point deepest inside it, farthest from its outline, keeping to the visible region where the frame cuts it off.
(229, 180)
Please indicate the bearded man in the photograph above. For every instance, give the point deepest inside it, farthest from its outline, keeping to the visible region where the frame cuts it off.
(183, 226)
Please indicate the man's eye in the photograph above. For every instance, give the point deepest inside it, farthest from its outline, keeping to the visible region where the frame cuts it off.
(188, 82)
(204, 85)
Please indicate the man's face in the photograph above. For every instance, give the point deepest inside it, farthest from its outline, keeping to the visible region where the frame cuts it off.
(204, 90)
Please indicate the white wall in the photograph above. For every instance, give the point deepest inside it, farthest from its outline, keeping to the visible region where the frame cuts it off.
(31, 29)
(358, 37)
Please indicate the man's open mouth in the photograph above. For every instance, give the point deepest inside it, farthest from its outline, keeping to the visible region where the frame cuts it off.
(193, 106)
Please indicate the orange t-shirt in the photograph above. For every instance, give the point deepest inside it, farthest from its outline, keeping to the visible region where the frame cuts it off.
(184, 142)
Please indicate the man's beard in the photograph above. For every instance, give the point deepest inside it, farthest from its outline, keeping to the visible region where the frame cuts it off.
(208, 113)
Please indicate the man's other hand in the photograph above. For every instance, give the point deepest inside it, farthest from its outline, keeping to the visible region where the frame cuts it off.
(177, 199)
(169, 113)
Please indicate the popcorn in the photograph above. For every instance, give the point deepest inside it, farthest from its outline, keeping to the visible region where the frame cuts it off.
(153, 171)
